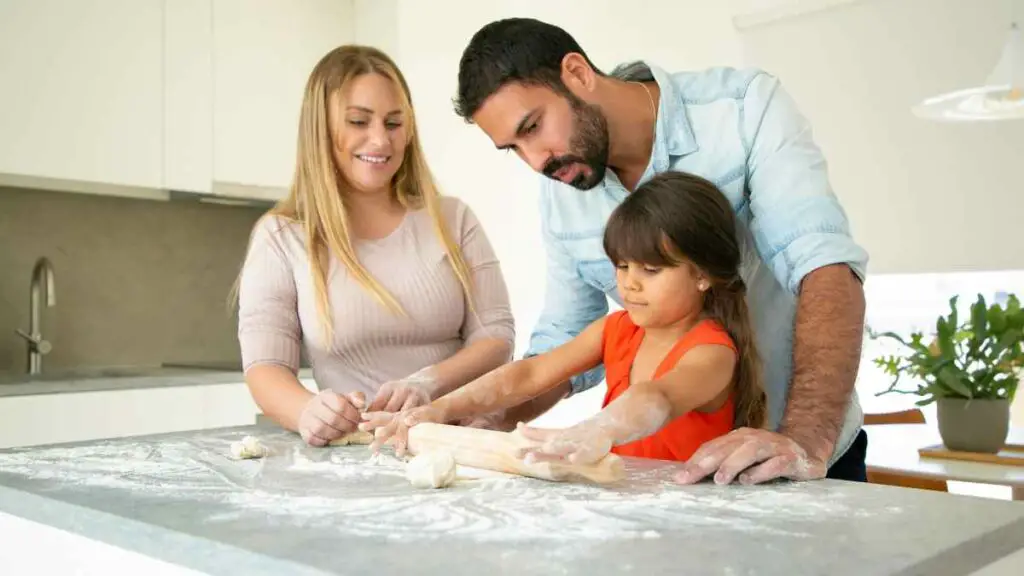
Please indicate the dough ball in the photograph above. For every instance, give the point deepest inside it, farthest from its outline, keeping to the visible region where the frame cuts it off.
(248, 447)
(237, 450)
(431, 470)
(357, 437)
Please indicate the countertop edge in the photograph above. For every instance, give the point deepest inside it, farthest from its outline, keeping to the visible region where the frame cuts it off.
(146, 539)
(119, 384)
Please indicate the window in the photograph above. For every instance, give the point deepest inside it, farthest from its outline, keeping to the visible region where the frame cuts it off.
(903, 303)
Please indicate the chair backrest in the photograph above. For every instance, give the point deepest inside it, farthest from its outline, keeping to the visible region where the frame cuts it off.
(914, 416)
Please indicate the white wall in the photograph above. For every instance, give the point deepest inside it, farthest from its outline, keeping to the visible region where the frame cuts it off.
(921, 196)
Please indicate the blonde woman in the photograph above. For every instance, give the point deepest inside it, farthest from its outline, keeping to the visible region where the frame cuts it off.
(393, 291)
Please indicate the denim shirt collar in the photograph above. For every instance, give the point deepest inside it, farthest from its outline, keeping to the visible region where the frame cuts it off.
(673, 134)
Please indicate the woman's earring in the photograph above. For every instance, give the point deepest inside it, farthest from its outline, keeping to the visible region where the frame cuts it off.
(702, 285)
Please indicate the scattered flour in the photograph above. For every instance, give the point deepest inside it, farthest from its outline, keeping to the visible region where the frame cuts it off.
(347, 492)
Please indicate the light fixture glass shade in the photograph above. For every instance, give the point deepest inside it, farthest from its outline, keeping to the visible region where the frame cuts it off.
(1000, 98)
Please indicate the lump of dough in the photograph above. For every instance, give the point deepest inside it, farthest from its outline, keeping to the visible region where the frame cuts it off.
(431, 470)
(357, 437)
(248, 447)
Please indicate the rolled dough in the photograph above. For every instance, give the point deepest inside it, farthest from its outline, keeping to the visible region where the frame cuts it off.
(434, 469)
(357, 437)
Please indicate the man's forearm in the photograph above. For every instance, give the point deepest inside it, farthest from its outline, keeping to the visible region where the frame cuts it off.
(827, 343)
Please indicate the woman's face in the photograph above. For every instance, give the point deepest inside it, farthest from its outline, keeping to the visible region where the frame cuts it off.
(369, 133)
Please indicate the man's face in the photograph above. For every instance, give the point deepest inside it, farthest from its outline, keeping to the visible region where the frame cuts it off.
(557, 134)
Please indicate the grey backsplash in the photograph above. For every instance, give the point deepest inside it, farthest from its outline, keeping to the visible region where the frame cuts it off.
(138, 282)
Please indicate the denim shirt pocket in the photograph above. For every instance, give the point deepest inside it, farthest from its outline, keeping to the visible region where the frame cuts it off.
(598, 273)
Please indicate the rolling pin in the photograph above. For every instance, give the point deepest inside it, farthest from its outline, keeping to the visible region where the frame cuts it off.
(493, 450)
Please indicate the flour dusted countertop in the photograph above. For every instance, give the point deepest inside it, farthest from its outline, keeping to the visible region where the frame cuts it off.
(178, 502)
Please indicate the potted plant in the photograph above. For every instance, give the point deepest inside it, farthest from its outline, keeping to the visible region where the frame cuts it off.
(969, 369)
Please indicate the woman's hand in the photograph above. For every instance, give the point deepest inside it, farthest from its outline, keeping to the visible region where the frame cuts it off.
(329, 415)
(580, 444)
(393, 428)
(409, 392)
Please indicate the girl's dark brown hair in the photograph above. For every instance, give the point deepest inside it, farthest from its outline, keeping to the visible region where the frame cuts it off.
(677, 218)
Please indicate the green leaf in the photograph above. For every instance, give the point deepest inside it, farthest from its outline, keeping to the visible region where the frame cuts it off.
(1012, 304)
(996, 319)
(944, 334)
(1014, 314)
(979, 323)
(954, 383)
(1008, 340)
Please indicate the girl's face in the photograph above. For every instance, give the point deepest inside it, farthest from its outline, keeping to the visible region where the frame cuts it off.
(658, 297)
(369, 135)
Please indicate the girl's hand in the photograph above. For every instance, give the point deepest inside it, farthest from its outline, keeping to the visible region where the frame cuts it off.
(393, 428)
(409, 392)
(580, 444)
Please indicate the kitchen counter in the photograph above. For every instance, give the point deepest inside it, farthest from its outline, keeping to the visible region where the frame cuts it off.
(118, 378)
(180, 500)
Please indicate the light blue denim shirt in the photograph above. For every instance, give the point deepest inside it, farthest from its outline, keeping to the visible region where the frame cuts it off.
(742, 131)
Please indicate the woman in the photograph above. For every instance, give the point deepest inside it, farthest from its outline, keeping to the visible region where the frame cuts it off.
(394, 292)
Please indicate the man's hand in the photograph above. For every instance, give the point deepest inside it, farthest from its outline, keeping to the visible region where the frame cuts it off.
(755, 456)
(329, 415)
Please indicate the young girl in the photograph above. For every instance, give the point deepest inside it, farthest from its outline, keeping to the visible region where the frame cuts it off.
(680, 361)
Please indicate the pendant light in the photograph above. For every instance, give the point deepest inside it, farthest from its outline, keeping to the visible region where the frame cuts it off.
(1001, 97)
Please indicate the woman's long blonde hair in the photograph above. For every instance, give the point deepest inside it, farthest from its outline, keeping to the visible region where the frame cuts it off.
(316, 197)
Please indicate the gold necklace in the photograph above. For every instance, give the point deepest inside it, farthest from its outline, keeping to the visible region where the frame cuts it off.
(654, 109)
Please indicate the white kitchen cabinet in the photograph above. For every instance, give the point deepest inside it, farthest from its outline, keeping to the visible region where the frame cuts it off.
(263, 52)
(82, 95)
(78, 416)
(188, 95)
(193, 95)
(73, 417)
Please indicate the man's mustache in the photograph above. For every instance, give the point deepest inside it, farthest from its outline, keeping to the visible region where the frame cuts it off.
(556, 164)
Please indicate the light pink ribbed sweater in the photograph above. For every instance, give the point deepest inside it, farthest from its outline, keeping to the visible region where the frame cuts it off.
(278, 313)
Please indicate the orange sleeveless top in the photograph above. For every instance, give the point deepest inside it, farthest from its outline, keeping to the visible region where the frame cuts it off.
(681, 437)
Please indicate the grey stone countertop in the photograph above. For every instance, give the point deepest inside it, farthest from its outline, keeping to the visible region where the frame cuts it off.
(180, 498)
(119, 378)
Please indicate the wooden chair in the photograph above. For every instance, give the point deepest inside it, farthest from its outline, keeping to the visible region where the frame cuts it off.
(914, 416)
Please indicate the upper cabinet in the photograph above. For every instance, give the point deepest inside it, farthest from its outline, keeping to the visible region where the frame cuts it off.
(192, 95)
(82, 91)
(188, 95)
(263, 52)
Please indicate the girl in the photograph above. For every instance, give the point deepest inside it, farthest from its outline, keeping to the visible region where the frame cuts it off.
(681, 363)
(393, 291)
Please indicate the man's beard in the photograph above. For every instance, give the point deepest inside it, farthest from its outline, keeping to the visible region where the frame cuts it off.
(588, 146)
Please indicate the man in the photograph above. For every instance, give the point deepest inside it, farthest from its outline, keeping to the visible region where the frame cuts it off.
(596, 137)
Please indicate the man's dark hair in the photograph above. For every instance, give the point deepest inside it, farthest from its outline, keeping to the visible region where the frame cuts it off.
(512, 50)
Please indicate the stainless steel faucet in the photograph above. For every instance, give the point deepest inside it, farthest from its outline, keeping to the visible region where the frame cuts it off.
(42, 281)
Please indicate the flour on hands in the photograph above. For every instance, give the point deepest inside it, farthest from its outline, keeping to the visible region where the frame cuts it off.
(397, 395)
(580, 444)
(393, 428)
(755, 456)
(328, 416)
